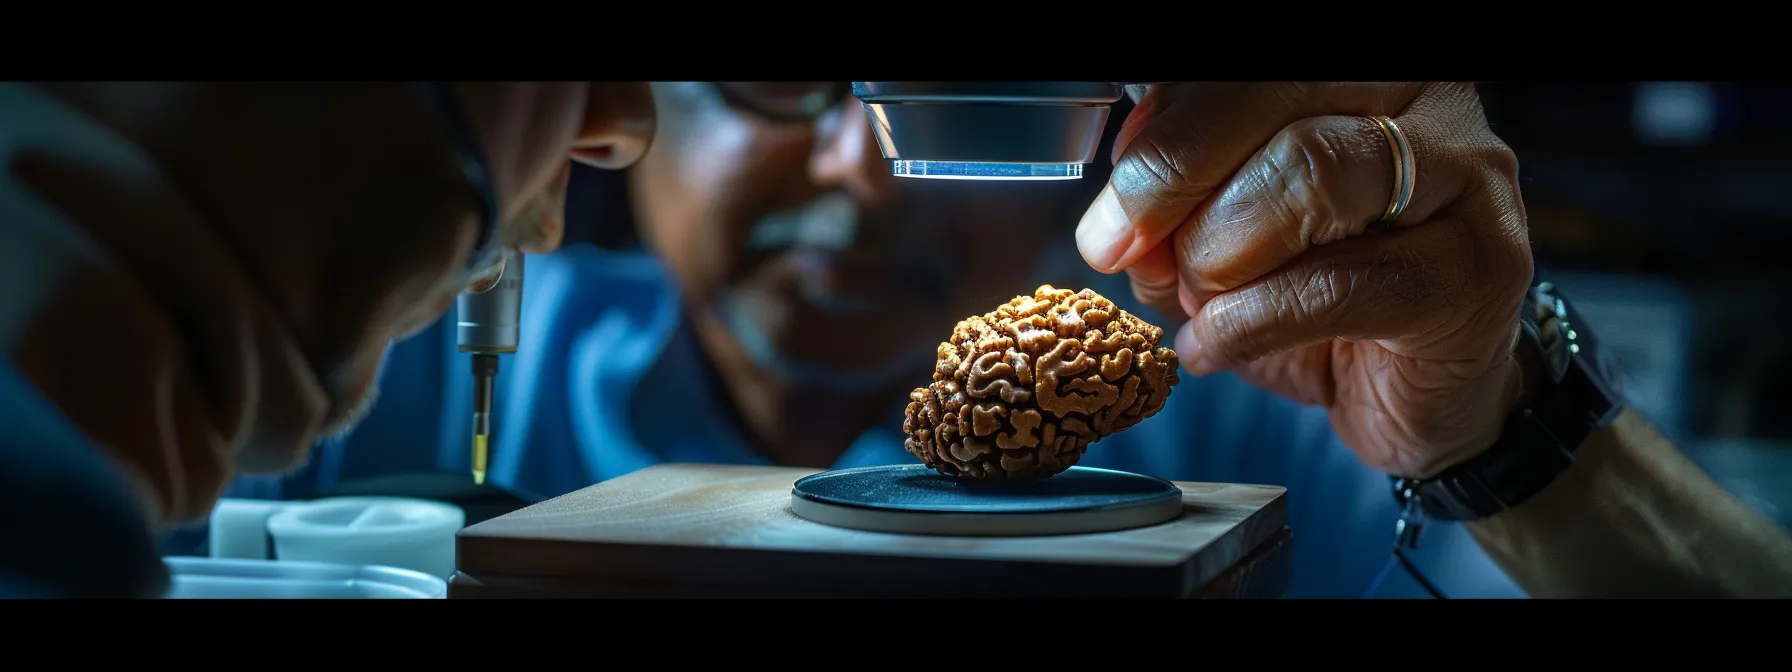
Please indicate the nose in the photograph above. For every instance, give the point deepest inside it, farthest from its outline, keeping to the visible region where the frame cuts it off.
(846, 155)
(618, 127)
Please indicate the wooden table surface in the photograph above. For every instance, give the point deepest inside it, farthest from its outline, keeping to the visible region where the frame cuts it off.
(691, 530)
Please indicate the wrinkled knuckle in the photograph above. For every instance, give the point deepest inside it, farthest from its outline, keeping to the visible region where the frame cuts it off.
(1319, 295)
(1156, 168)
(1500, 160)
(1404, 276)
(1233, 336)
(1309, 159)
(1239, 322)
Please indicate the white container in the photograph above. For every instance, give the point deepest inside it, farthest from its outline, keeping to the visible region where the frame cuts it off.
(220, 578)
(398, 532)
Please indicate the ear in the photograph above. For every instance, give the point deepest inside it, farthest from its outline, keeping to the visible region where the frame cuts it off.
(619, 124)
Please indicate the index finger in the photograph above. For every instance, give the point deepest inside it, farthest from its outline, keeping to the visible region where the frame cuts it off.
(1184, 141)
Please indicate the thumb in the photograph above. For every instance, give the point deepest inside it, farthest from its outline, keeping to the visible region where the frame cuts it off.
(1106, 236)
(1181, 144)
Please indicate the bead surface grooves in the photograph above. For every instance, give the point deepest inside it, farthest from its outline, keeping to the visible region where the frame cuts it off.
(1022, 391)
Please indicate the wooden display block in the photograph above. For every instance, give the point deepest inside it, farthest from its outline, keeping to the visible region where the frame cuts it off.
(697, 530)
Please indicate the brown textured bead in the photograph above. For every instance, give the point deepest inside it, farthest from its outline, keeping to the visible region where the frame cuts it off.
(1021, 392)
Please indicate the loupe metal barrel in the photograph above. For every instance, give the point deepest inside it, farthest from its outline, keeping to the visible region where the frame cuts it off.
(490, 321)
(988, 130)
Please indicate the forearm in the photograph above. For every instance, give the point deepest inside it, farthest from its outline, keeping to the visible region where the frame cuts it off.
(1633, 517)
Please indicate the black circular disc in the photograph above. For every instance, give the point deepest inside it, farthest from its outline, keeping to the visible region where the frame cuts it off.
(912, 499)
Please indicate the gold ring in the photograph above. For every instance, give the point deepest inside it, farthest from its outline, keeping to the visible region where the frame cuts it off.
(1403, 167)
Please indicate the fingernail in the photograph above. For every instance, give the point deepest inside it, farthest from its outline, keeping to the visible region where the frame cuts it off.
(1194, 358)
(1105, 234)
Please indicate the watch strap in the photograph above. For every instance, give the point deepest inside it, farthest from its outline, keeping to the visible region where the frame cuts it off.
(1577, 394)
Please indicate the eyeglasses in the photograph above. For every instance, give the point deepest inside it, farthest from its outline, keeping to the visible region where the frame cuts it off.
(784, 102)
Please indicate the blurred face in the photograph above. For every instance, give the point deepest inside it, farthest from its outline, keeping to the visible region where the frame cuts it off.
(528, 133)
(797, 248)
(255, 272)
(338, 220)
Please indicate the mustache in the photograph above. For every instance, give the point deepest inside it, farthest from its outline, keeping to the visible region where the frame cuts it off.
(837, 221)
(833, 221)
(743, 318)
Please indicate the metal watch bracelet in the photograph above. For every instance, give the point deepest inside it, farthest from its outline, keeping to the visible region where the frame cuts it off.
(1576, 394)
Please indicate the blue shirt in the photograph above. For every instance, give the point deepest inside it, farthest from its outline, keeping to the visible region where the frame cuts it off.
(609, 379)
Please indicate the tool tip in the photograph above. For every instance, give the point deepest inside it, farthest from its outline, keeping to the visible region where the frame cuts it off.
(479, 477)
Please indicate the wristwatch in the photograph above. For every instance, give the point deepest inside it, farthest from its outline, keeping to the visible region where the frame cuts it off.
(1577, 391)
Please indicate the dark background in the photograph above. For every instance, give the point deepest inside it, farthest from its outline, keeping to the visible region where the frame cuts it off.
(1685, 182)
(1671, 206)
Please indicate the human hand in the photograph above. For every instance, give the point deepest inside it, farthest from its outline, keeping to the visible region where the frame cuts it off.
(1255, 211)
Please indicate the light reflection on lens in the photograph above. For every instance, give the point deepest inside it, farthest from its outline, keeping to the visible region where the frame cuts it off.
(979, 170)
